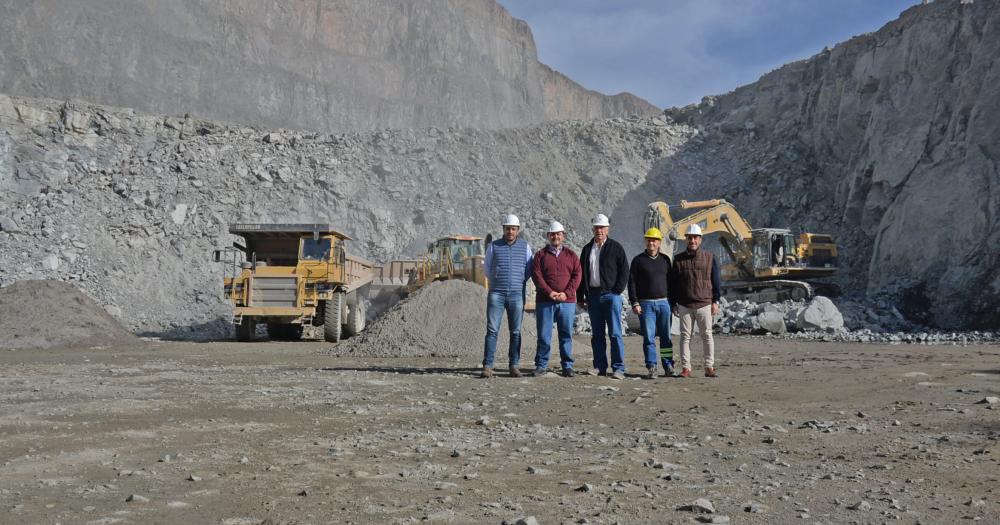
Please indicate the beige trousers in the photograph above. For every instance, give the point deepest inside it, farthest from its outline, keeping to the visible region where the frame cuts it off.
(703, 317)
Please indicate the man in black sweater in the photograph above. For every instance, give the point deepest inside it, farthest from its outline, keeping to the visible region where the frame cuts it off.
(647, 291)
(605, 276)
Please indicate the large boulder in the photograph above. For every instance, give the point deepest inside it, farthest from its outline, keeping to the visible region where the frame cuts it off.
(772, 321)
(820, 314)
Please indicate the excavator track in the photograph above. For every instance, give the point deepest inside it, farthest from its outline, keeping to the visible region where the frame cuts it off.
(766, 291)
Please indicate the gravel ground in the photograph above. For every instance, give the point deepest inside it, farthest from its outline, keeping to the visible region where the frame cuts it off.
(792, 431)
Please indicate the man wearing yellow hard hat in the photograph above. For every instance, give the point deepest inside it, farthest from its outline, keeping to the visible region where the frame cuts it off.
(648, 292)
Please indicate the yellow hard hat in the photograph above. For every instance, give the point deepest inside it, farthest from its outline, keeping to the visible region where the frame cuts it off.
(654, 233)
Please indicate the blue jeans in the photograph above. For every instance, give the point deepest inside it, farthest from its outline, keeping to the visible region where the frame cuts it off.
(496, 304)
(606, 318)
(563, 314)
(655, 321)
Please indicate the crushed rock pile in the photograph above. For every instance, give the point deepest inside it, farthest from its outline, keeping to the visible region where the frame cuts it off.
(444, 319)
(819, 314)
(819, 319)
(39, 314)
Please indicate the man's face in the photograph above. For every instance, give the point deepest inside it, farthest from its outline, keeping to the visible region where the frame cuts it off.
(652, 246)
(510, 233)
(600, 234)
(556, 239)
(693, 242)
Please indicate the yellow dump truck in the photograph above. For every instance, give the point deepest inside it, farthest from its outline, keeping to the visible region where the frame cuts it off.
(289, 276)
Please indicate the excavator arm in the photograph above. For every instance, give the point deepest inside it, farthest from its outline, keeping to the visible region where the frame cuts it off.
(715, 216)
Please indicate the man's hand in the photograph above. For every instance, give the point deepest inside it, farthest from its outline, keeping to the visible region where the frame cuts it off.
(637, 309)
(715, 308)
(561, 296)
(554, 295)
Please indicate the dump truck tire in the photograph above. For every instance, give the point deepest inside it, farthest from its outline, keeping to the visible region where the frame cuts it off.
(332, 313)
(246, 330)
(355, 319)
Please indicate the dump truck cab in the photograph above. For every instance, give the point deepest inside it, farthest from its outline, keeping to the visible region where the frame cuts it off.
(817, 250)
(289, 276)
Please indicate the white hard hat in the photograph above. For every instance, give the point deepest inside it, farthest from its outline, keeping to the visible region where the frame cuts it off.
(511, 220)
(601, 220)
(694, 229)
(556, 226)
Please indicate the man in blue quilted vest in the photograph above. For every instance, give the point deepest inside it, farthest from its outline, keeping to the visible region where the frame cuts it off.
(508, 268)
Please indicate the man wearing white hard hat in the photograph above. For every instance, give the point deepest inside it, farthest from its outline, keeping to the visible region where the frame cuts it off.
(605, 276)
(507, 267)
(695, 287)
(557, 273)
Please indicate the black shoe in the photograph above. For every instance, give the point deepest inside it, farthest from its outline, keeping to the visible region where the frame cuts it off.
(567, 372)
(538, 372)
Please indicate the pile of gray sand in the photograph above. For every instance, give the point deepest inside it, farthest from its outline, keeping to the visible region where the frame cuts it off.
(47, 314)
(443, 319)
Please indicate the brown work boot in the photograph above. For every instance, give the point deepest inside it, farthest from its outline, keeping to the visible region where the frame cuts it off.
(515, 371)
(710, 372)
(486, 373)
(685, 373)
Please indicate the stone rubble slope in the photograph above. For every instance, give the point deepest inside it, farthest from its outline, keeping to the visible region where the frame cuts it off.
(40, 314)
(129, 206)
(443, 319)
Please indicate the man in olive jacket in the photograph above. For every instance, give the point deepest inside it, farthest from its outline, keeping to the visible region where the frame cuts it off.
(605, 276)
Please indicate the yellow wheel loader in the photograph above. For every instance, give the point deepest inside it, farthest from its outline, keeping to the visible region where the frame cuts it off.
(450, 257)
(765, 264)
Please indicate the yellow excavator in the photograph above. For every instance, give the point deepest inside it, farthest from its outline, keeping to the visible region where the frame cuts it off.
(766, 264)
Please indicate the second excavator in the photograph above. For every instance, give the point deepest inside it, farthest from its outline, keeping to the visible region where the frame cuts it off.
(765, 264)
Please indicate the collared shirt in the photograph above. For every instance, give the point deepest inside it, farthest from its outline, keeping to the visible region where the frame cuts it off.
(595, 266)
(553, 250)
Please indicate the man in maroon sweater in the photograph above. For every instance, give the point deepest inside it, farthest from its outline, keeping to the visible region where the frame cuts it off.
(557, 273)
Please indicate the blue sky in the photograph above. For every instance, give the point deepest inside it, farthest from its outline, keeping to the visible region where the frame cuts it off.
(673, 52)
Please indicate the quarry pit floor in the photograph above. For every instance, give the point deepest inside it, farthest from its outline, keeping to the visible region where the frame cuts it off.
(281, 433)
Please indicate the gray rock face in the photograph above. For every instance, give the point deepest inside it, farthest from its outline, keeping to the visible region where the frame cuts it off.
(890, 142)
(331, 65)
(820, 314)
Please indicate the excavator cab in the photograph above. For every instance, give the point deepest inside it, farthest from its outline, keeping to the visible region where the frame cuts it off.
(773, 247)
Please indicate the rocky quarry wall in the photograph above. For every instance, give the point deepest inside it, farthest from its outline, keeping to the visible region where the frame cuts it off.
(330, 65)
(891, 141)
(888, 141)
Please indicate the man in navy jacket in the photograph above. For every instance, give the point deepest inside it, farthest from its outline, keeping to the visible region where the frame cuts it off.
(507, 267)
